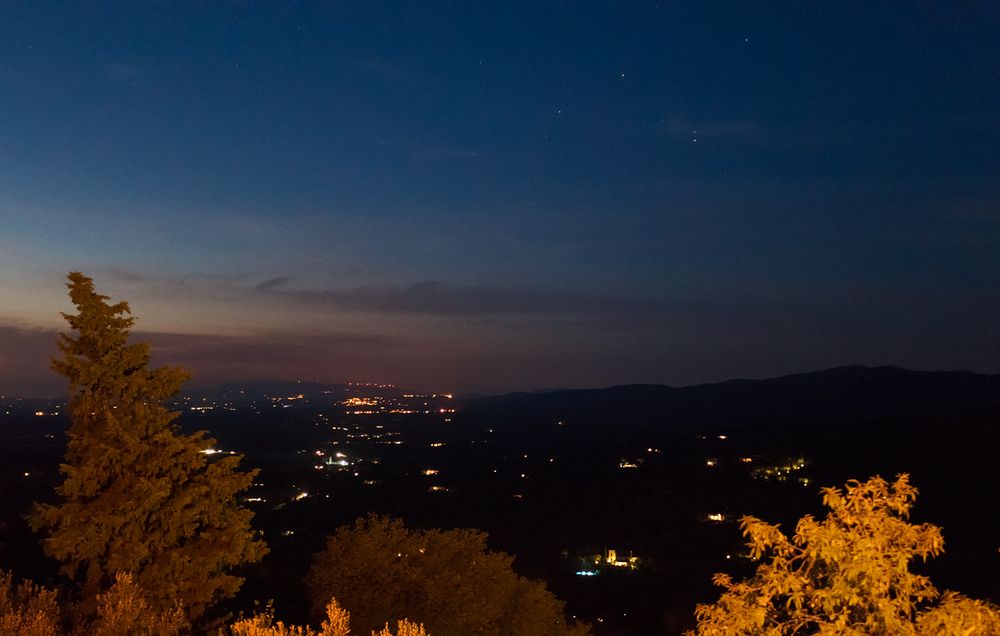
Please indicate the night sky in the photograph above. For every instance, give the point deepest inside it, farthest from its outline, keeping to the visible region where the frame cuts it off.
(481, 197)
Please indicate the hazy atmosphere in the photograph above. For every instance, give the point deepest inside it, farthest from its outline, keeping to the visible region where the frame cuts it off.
(484, 197)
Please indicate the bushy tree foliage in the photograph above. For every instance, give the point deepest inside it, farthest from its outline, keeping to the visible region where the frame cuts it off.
(124, 611)
(447, 580)
(403, 628)
(847, 574)
(27, 609)
(337, 623)
(138, 496)
(30, 610)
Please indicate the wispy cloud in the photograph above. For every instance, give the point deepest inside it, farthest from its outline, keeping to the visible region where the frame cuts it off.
(443, 299)
(130, 275)
(267, 348)
(272, 283)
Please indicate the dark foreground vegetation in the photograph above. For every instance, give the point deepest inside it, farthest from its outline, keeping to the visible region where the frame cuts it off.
(623, 504)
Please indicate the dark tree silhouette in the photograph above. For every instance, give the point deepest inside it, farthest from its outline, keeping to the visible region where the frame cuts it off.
(447, 580)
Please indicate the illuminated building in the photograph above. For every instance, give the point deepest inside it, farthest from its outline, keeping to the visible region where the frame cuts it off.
(609, 560)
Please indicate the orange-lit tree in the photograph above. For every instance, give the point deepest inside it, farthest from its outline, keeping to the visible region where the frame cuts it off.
(447, 580)
(847, 575)
(337, 623)
(27, 609)
(139, 496)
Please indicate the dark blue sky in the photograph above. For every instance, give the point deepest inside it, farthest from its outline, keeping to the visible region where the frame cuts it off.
(486, 196)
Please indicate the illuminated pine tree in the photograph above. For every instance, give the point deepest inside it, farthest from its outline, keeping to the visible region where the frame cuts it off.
(138, 495)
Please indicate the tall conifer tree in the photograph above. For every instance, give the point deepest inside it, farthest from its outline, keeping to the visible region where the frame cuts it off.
(139, 496)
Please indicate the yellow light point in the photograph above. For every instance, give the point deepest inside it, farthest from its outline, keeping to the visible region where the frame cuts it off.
(431, 471)
(437, 444)
(39, 413)
(716, 516)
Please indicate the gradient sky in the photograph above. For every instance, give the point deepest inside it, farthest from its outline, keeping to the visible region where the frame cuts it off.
(480, 197)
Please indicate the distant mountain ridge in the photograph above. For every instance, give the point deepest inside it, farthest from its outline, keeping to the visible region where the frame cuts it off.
(847, 395)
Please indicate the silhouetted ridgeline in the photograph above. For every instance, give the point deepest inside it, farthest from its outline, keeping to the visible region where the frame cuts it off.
(844, 395)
